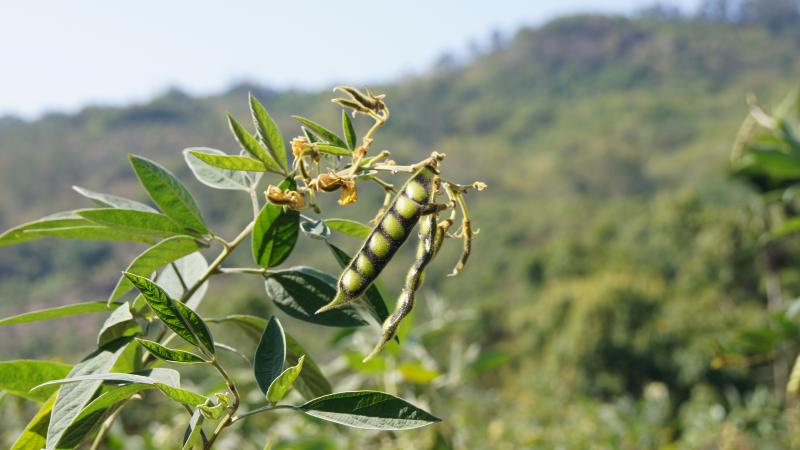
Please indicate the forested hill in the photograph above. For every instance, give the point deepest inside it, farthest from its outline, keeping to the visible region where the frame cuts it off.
(602, 140)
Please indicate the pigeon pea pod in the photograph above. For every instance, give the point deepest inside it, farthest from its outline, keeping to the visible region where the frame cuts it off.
(392, 230)
(426, 250)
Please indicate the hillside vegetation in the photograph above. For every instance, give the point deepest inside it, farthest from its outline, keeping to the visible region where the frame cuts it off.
(615, 255)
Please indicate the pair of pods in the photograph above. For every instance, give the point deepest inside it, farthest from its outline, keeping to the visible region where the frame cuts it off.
(414, 200)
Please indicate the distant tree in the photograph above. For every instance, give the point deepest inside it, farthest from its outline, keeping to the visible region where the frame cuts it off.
(661, 11)
(775, 14)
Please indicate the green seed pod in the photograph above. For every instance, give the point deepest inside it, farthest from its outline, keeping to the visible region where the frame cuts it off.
(425, 253)
(391, 231)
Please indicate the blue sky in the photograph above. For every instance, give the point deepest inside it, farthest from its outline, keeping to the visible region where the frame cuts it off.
(60, 56)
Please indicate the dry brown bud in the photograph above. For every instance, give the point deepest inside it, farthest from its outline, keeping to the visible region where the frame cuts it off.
(291, 199)
(329, 182)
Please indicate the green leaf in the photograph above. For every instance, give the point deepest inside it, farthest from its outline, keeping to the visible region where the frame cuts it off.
(170, 390)
(153, 258)
(349, 227)
(372, 299)
(332, 149)
(773, 163)
(301, 291)
(230, 162)
(269, 132)
(312, 138)
(252, 326)
(789, 226)
(415, 372)
(193, 431)
(368, 409)
(67, 225)
(133, 221)
(168, 354)
(175, 315)
(72, 398)
(95, 412)
(191, 269)
(112, 201)
(58, 312)
(349, 130)
(119, 324)
(280, 386)
(315, 229)
(33, 437)
(312, 382)
(275, 233)
(793, 386)
(212, 176)
(251, 145)
(321, 131)
(270, 354)
(20, 376)
(168, 193)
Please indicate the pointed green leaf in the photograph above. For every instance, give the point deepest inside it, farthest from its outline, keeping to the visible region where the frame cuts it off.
(19, 377)
(280, 386)
(33, 437)
(372, 299)
(349, 131)
(215, 177)
(312, 138)
(193, 431)
(168, 193)
(321, 131)
(269, 132)
(368, 409)
(153, 258)
(312, 382)
(119, 324)
(332, 149)
(112, 201)
(72, 398)
(251, 145)
(275, 232)
(301, 291)
(349, 227)
(230, 162)
(67, 225)
(168, 354)
(169, 389)
(95, 412)
(191, 269)
(270, 354)
(58, 312)
(133, 221)
(174, 314)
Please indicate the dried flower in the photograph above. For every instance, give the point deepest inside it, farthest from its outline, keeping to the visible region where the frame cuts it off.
(298, 145)
(348, 194)
(289, 198)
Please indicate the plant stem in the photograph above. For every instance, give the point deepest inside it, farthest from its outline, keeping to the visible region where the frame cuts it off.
(106, 426)
(250, 270)
(228, 419)
(235, 419)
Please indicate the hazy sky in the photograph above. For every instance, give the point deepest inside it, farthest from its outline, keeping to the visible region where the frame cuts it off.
(61, 55)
